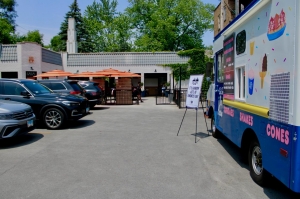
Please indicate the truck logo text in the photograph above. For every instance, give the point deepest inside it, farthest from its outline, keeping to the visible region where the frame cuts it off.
(279, 134)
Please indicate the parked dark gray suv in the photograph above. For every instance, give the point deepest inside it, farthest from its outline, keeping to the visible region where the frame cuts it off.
(53, 109)
(63, 86)
(92, 92)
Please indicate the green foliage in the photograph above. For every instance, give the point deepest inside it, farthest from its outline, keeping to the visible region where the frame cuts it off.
(34, 36)
(31, 36)
(7, 11)
(7, 21)
(169, 25)
(83, 39)
(196, 65)
(56, 44)
(110, 31)
(6, 31)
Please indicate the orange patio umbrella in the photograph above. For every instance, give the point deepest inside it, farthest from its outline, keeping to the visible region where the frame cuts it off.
(55, 73)
(117, 73)
(88, 74)
(125, 74)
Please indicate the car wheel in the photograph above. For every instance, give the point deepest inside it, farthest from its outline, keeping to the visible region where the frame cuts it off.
(53, 118)
(214, 131)
(257, 172)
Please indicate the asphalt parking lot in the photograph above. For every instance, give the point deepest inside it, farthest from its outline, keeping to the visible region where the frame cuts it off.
(130, 151)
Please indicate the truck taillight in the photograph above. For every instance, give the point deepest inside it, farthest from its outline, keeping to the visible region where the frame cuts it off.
(75, 92)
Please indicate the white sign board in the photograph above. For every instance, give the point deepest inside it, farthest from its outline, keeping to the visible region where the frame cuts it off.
(194, 91)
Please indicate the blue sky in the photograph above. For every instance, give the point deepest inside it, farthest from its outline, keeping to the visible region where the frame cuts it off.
(47, 15)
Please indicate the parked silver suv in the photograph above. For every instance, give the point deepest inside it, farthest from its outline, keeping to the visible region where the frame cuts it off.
(15, 119)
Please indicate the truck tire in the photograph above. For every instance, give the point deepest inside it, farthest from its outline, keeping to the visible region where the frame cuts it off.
(53, 118)
(257, 172)
(214, 131)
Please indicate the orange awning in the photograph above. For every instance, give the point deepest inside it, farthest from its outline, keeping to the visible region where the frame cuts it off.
(55, 73)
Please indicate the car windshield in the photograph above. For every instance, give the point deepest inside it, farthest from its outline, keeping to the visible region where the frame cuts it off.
(36, 88)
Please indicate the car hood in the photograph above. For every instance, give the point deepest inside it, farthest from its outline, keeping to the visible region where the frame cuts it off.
(60, 97)
(12, 106)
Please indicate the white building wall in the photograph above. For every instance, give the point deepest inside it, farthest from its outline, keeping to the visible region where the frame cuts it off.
(12, 66)
(31, 58)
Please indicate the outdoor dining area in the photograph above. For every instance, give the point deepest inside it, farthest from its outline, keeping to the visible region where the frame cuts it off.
(116, 85)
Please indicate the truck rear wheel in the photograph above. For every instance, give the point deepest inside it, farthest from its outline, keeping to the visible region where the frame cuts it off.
(257, 172)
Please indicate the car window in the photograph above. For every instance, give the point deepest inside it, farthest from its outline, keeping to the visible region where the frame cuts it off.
(37, 88)
(75, 86)
(83, 85)
(91, 86)
(46, 84)
(57, 86)
(12, 88)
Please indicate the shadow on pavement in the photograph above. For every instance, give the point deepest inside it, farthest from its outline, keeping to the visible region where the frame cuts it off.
(79, 124)
(99, 108)
(20, 140)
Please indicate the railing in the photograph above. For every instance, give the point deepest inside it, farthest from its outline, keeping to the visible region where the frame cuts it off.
(166, 98)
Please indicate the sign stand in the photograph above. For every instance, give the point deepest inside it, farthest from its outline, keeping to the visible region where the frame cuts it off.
(204, 116)
(183, 119)
(192, 98)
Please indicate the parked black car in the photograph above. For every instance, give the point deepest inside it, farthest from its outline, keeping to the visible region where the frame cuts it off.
(63, 86)
(92, 92)
(53, 109)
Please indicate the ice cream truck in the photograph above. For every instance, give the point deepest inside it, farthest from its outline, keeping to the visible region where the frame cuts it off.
(255, 95)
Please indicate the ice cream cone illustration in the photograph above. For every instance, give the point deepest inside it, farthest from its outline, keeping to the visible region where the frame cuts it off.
(263, 72)
(251, 47)
(262, 77)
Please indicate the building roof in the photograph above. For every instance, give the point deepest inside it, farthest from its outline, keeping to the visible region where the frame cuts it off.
(125, 59)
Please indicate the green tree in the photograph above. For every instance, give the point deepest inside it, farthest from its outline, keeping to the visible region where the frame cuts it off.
(6, 31)
(31, 36)
(169, 25)
(35, 36)
(110, 31)
(84, 42)
(56, 44)
(7, 21)
(7, 11)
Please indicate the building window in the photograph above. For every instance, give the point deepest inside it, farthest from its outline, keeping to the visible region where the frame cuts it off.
(240, 86)
(219, 22)
(241, 42)
(224, 11)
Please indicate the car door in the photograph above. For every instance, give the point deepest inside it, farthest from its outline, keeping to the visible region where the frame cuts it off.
(12, 91)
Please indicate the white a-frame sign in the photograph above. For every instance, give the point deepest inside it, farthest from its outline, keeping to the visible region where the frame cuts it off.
(194, 91)
(193, 96)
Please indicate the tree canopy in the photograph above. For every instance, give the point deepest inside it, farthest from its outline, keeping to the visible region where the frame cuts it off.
(146, 25)
(110, 31)
(169, 25)
(7, 20)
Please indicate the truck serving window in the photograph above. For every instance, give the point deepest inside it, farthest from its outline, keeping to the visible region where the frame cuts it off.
(220, 63)
(240, 86)
(241, 42)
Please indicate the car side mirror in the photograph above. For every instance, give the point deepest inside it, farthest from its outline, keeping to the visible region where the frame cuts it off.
(25, 93)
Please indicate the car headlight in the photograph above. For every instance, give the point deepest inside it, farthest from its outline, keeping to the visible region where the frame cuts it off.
(71, 103)
(6, 116)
